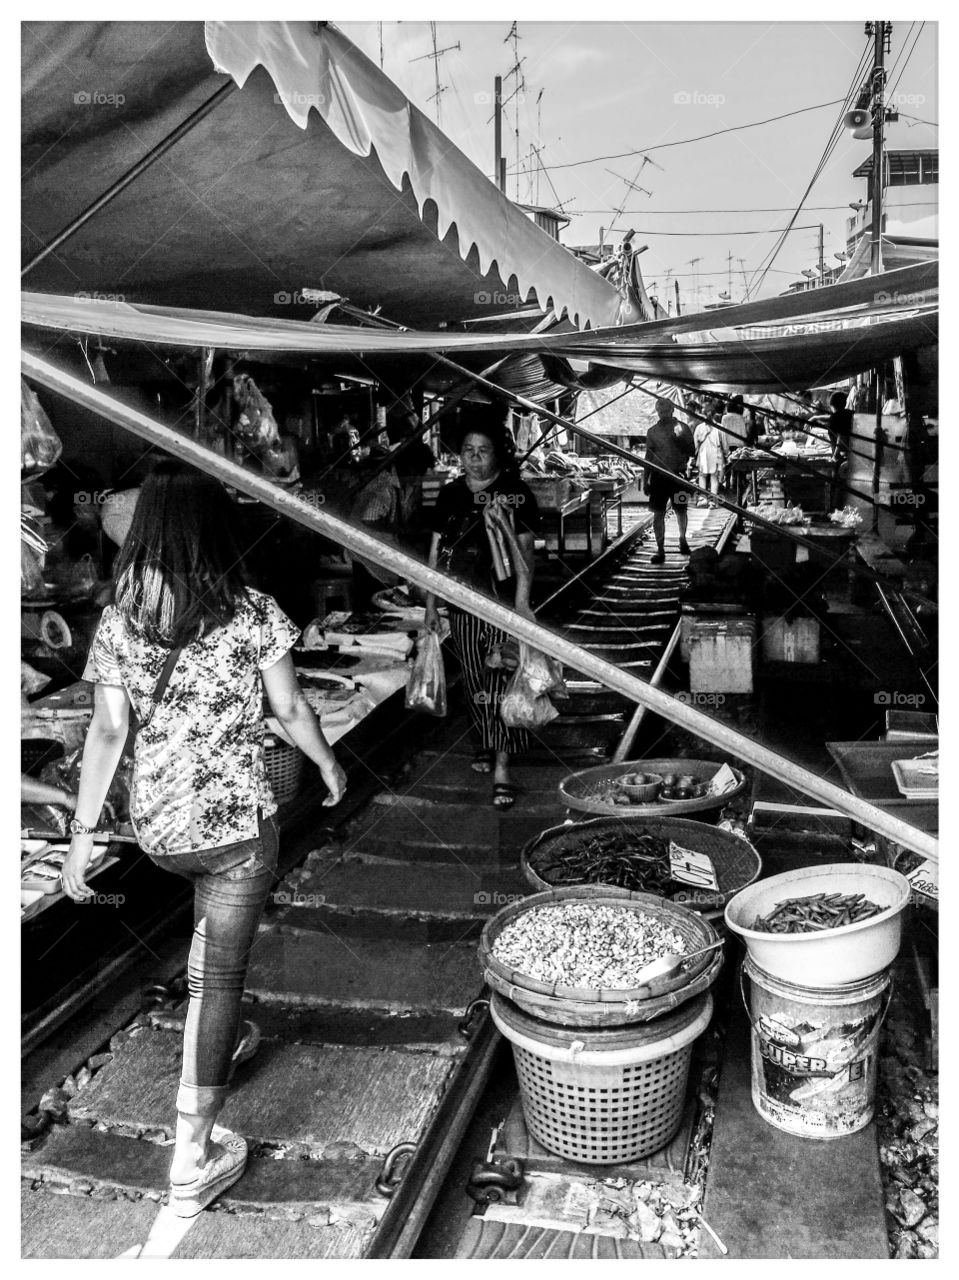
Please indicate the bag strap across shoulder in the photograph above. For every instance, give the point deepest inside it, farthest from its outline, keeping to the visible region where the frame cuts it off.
(161, 685)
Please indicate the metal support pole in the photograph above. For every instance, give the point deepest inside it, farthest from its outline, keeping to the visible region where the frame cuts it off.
(878, 123)
(361, 543)
(131, 175)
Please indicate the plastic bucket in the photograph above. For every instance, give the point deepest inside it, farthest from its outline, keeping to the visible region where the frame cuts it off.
(814, 1052)
(828, 957)
(604, 1097)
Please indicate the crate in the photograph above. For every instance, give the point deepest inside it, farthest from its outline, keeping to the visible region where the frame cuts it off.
(721, 655)
(795, 641)
(693, 614)
(550, 492)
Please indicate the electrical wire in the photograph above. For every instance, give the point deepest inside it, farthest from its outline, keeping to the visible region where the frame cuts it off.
(680, 142)
(908, 56)
(830, 146)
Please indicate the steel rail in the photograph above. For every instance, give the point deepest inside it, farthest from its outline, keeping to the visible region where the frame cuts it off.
(361, 543)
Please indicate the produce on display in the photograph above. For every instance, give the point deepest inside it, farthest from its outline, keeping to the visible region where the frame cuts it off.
(633, 860)
(586, 945)
(817, 911)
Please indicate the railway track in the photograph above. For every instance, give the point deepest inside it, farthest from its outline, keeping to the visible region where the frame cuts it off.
(364, 967)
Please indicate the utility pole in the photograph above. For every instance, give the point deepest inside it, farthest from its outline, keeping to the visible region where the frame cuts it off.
(881, 33)
(499, 176)
(729, 275)
(676, 283)
(822, 259)
(539, 136)
(380, 25)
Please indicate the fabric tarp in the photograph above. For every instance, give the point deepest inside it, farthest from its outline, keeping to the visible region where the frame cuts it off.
(806, 347)
(250, 208)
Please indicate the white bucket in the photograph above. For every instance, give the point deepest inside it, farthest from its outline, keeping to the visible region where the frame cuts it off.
(814, 1052)
(828, 957)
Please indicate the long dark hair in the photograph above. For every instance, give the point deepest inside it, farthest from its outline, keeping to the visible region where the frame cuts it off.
(180, 571)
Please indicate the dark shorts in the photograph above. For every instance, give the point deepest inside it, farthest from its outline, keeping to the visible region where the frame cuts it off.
(663, 492)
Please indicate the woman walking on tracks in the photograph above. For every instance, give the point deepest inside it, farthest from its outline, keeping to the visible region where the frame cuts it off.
(489, 492)
(185, 645)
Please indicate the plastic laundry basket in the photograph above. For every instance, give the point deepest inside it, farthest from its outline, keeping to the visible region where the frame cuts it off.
(603, 1097)
(284, 768)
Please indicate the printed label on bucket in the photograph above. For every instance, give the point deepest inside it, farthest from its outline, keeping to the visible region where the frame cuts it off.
(814, 1057)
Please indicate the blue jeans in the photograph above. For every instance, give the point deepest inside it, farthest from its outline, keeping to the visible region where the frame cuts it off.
(231, 884)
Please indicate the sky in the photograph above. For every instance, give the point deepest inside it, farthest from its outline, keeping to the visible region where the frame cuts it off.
(601, 89)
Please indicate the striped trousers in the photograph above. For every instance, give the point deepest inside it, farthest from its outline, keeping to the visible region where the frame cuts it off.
(473, 639)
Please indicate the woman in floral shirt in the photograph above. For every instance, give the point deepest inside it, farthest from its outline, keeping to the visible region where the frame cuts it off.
(186, 646)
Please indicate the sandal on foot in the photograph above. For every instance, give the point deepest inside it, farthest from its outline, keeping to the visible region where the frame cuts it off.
(187, 1199)
(504, 795)
(482, 762)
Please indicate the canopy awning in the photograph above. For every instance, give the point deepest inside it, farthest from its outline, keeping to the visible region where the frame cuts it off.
(318, 173)
(785, 343)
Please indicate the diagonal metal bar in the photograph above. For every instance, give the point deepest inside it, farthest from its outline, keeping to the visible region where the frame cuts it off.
(144, 163)
(362, 543)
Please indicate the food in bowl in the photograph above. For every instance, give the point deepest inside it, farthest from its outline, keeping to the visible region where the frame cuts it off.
(586, 945)
(817, 911)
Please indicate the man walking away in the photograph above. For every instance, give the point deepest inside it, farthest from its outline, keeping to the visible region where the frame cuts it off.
(669, 443)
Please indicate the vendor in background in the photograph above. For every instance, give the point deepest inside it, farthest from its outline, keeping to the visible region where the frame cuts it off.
(490, 490)
(77, 553)
(712, 453)
(670, 444)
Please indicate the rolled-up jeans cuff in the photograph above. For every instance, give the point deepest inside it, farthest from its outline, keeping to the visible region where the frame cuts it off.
(201, 1100)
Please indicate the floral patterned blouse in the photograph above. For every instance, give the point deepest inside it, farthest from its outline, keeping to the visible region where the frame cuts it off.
(199, 772)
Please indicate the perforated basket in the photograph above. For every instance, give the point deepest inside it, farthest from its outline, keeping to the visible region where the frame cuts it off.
(284, 768)
(601, 1097)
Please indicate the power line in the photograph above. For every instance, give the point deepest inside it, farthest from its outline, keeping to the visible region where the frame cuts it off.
(680, 142)
(892, 91)
(785, 208)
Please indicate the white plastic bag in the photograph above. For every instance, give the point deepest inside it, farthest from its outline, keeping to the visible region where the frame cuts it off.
(426, 687)
(525, 704)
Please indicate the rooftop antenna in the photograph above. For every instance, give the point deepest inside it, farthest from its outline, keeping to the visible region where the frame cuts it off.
(516, 70)
(539, 134)
(694, 263)
(435, 55)
(630, 186)
(742, 267)
(729, 274)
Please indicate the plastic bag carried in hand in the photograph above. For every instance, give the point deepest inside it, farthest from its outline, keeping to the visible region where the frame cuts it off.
(426, 687)
(525, 703)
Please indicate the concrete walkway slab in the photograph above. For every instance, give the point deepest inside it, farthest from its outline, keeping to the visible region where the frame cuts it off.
(772, 1195)
(455, 892)
(63, 1226)
(326, 1098)
(75, 1157)
(501, 1240)
(299, 967)
(228, 1235)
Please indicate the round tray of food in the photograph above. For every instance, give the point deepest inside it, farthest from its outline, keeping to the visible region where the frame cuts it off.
(634, 856)
(576, 955)
(687, 786)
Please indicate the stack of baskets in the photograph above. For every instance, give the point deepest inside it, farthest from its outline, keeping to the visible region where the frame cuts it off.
(603, 1073)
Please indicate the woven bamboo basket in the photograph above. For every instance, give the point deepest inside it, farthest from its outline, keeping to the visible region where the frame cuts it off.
(580, 1006)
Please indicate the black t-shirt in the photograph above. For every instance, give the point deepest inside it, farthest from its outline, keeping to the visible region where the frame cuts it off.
(458, 517)
(839, 427)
